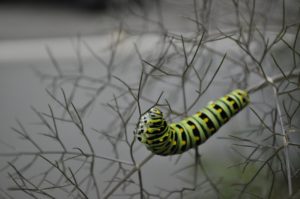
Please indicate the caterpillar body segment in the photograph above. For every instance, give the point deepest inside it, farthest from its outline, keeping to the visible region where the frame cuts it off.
(168, 139)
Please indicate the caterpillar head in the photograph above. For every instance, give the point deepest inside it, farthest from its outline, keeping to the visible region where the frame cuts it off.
(150, 124)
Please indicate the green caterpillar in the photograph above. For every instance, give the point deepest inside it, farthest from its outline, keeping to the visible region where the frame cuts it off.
(168, 139)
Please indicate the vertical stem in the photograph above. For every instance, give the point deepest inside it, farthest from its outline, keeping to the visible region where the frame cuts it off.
(285, 142)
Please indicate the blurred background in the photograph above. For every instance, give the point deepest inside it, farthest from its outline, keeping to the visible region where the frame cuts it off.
(82, 45)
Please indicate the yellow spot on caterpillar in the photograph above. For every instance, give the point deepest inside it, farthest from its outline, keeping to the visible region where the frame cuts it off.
(193, 127)
(180, 130)
(174, 142)
(197, 138)
(161, 139)
(206, 120)
(219, 110)
(183, 142)
(199, 113)
(212, 105)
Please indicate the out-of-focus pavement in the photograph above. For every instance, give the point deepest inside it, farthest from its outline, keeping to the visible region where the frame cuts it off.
(32, 26)
(44, 21)
(25, 30)
(53, 21)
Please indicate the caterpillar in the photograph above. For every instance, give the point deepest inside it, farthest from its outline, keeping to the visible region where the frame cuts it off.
(169, 139)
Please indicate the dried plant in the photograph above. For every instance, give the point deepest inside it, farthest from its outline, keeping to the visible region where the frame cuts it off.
(83, 145)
